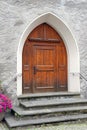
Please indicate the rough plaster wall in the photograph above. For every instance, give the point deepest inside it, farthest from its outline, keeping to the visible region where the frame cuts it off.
(15, 15)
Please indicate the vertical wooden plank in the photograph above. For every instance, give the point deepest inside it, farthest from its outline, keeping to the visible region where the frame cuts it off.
(62, 68)
(26, 77)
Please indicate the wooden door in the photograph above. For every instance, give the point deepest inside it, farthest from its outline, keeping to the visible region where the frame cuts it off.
(44, 61)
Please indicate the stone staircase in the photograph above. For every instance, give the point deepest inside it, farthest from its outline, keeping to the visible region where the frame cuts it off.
(44, 108)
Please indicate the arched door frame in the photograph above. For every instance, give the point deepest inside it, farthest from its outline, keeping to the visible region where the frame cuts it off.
(71, 47)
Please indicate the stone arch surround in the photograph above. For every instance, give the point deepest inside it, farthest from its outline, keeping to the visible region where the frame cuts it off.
(71, 47)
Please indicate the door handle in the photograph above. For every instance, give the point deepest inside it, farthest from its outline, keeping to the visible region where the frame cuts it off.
(34, 69)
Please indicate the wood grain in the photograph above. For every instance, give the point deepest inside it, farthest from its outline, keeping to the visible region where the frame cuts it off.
(44, 63)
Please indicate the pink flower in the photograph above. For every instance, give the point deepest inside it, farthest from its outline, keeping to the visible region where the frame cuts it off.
(5, 103)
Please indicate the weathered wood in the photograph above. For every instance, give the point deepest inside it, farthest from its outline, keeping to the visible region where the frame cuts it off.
(44, 61)
(44, 40)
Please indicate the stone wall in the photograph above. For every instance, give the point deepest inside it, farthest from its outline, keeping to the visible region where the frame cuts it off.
(15, 15)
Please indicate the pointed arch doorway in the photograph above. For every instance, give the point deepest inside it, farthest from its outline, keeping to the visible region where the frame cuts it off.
(73, 60)
(44, 61)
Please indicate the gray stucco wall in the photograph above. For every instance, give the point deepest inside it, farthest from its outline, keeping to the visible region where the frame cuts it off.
(15, 15)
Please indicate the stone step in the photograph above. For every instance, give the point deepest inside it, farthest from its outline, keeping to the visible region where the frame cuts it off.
(53, 102)
(12, 122)
(50, 95)
(22, 112)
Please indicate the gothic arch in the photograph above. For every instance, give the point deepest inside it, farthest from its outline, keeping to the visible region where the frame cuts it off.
(71, 47)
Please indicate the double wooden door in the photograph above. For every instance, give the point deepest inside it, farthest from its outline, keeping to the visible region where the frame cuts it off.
(44, 61)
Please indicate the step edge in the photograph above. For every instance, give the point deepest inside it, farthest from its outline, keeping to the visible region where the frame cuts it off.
(58, 110)
(47, 95)
(46, 121)
(49, 104)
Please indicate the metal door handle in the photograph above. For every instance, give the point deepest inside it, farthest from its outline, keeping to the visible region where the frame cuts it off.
(34, 70)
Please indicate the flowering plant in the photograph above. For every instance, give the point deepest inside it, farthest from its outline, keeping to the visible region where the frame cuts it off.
(5, 103)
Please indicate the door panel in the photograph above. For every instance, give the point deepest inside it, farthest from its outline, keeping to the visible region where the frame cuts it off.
(27, 68)
(44, 65)
(62, 74)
